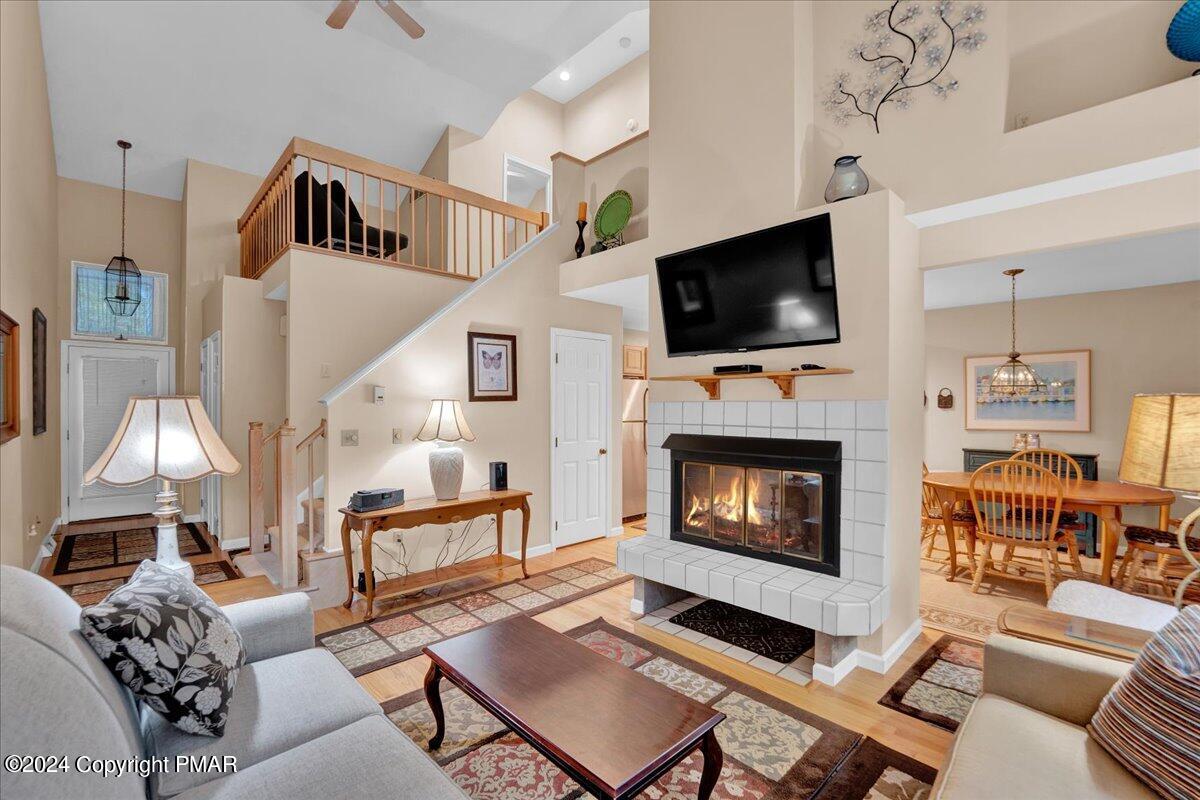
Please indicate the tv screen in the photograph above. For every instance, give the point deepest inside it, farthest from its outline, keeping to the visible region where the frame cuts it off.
(770, 288)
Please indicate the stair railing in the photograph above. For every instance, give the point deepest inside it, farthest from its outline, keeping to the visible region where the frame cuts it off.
(285, 544)
(307, 445)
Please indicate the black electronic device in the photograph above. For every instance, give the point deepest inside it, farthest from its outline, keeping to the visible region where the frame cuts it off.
(375, 499)
(770, 288)
(809, 367)
(737, 369)
(498, 475)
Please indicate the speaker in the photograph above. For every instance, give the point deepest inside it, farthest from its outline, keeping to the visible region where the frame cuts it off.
(498, 475)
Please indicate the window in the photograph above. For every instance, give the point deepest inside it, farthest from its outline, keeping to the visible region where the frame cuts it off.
(10, 378)
(91, 317)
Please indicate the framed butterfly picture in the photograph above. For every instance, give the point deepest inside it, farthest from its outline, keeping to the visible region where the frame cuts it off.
(492, 366)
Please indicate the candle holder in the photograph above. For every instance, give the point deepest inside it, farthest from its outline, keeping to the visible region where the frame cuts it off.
(582, 223)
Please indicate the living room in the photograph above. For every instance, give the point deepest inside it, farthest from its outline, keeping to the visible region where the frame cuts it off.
(417, 640)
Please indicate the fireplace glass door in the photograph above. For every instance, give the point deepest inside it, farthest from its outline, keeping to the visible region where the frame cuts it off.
(697, 499)
(728, 503)
(802, 515)
(763, 497)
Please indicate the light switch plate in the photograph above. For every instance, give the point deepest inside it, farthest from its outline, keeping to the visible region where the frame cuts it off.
(350, 437)
(324, 370)
(397, 436)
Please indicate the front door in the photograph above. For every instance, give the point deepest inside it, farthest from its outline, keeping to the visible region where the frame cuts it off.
(99, 381)
(582, 423)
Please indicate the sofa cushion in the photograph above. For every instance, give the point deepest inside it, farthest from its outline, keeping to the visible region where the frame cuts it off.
(367, 759)
(1148, 721)
(1005, 750)
(280, 703)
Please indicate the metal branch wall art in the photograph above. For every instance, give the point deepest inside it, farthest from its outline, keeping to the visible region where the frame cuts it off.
(907, 46)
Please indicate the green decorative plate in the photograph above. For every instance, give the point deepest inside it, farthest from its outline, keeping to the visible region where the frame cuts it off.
(613, 214)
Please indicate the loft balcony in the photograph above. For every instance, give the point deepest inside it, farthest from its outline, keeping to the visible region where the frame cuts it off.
(324, 200)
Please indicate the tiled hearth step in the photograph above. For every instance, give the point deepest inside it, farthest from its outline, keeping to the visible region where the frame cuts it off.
(798, 671)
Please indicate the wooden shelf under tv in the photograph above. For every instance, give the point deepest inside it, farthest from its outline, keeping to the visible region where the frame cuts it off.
(786, 380)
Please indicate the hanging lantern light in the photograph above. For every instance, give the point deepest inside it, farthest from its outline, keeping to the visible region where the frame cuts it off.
(122, 278)
(1014, 377)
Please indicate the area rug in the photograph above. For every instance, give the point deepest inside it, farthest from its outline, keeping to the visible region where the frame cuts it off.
(955, 620)
(772, 749)
(767, 636)
(87, 551)
(92, 592)
(941, 686)
(390, 639)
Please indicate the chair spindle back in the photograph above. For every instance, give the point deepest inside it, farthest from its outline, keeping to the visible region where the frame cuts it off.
(1032, 494)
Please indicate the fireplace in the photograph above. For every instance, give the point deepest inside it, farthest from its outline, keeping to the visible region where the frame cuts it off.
(773, 499)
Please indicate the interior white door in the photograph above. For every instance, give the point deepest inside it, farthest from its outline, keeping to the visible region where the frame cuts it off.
(99, 380)
(581, 428)
(210, 398)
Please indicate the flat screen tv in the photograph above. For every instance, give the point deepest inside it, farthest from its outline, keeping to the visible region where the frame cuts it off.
(770, 288)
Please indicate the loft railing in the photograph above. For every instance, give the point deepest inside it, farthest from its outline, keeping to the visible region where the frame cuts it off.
(325, 200)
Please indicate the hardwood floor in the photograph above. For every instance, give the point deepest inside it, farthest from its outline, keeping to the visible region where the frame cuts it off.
(853, 703)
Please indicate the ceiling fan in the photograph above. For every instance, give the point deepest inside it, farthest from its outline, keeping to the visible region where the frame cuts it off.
(341, 15)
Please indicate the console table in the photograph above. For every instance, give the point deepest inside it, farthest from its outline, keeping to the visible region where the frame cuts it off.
(421, 511)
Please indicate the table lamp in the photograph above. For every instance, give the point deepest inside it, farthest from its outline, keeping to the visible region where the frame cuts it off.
(169, 438)
(1162, 449)
(445, 424)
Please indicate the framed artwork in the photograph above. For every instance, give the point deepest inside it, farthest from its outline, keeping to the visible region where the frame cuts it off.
(491, 366)
(10, 378)
(1065, 406)
(39, 372)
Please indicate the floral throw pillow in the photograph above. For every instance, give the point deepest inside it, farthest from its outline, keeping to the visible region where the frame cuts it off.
(166, 640)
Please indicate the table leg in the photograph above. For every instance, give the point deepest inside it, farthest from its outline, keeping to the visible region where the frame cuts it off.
(1110, 533)
(947, 501)
(499, 533)
(524, 533)
(712, 764)
(368, 569)
(433, 695)
(348, 555)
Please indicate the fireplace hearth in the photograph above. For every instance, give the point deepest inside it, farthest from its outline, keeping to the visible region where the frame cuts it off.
(771, 499)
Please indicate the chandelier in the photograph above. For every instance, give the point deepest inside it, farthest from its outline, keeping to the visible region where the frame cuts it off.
(122, 278)
(1014, 377)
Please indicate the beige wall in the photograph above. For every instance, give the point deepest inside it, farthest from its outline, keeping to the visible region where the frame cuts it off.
(530, 127)
(1142, 340)
(596, 119)
(626, 168)
(29, 480)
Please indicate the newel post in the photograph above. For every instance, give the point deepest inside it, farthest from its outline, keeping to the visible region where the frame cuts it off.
(285, 517)
(255, 457)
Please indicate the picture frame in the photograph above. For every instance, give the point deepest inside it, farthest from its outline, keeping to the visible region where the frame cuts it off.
(1066, 408)
(491, 367)
(39, 372)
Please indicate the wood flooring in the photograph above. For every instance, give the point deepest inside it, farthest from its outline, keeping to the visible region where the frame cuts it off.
(853, 703)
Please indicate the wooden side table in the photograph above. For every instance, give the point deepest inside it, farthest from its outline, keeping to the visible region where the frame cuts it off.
(1039, 624)
(421, 511)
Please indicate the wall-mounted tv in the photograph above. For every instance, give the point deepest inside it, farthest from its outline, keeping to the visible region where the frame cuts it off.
(770, 288)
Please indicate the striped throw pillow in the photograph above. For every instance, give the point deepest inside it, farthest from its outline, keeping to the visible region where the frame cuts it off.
(1150, 720)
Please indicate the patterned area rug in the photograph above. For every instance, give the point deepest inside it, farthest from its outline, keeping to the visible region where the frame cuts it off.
(957, 621)
(772, 749)
(941, 686)
(758, 633)
(85, 551)
(366, 647)
(92, 592)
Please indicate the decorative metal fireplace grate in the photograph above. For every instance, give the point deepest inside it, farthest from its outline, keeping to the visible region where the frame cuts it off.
(774, 499)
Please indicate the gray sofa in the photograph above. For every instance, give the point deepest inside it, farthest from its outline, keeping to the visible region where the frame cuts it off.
(299, 725)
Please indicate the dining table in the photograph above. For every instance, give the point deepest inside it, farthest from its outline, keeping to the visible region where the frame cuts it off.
(1105, 499)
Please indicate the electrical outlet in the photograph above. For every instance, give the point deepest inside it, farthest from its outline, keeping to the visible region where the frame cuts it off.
(397, 436)
(350, 438)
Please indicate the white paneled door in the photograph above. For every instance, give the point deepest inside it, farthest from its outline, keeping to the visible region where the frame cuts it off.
(210, 397)
(581, 426)
(99, 380)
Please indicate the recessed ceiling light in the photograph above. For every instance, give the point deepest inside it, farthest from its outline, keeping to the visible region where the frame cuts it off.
(564, 76)
(624, 41)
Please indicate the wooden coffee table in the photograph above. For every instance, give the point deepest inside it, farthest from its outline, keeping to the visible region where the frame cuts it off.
(613, 730)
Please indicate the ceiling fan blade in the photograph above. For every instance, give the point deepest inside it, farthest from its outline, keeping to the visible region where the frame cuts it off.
(341, 14)
(401, 18)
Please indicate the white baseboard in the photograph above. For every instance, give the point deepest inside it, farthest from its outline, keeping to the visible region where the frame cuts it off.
(830, 676)
(46, 548)
(637, 606)
(617, 531)
(883, 663)
(235, 544)
(540, 550)
(193, 518)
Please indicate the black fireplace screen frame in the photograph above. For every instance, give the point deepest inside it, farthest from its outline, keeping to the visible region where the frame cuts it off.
(803, 455)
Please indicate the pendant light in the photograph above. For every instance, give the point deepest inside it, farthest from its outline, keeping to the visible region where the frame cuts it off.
(122, 278)
(1014, 377)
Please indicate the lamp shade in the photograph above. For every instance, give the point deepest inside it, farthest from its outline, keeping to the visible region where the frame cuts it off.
(445, 423)
(1162, 442)
(162, 437)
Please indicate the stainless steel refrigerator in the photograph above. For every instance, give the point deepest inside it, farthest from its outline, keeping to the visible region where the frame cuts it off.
(633, 447)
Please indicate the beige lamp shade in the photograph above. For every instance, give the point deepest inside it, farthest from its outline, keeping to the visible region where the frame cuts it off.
(163, 437)
(1162, 442)
(445, 423)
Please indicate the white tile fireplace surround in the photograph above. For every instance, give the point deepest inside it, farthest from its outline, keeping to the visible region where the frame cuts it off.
(841, 608)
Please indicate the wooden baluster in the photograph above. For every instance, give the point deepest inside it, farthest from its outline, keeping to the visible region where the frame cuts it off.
(287, 546)
(454, 235)
(481, 241)
(366, 214)
(346, 210)
(427, 196)
(396, 203)
(255, 450)
(442, 232)
(312, 214)
(312, 499)
(382, 255)
(412, 226)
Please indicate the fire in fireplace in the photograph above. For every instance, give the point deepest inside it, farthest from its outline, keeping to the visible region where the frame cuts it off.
(775, 499)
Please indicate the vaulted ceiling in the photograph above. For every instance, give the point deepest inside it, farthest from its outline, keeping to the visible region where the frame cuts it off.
(229, 83)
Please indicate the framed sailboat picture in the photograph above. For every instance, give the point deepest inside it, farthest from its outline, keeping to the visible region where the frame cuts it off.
(1065, 404)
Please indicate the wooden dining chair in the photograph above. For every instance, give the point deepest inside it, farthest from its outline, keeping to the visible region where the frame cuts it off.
(1164, 545)
(1017, 504)
(1068, 471)
(931, 519)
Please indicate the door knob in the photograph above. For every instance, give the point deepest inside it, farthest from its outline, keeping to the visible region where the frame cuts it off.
(603, 451)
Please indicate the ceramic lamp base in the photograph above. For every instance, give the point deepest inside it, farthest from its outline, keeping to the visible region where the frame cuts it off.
(168, 537)
(446, 472)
